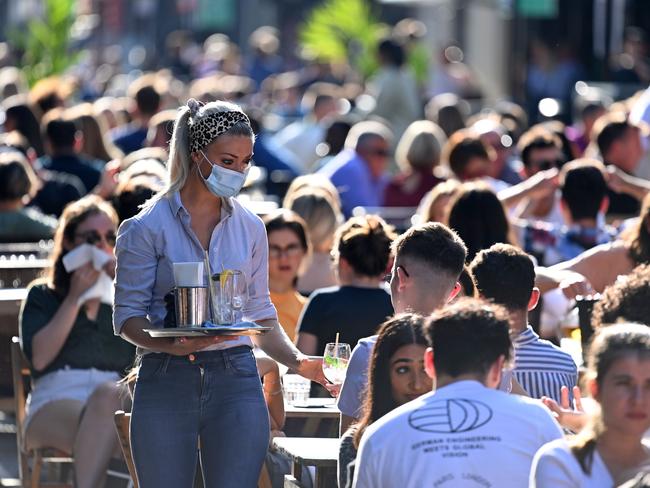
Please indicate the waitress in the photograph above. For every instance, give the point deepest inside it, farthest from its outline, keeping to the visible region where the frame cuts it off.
(204, 388)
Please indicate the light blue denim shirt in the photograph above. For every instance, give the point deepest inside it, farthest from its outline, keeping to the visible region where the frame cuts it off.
(160, 235)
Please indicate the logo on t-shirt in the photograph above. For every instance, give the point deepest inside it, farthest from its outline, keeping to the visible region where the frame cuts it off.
(450, 416)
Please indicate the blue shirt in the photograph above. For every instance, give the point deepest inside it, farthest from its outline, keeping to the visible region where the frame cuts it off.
(129, 138)
(541, 367)
(160, 235)
(350, 174)
(353, 390)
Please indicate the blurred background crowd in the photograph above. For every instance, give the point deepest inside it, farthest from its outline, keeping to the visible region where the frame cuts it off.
(521, 122)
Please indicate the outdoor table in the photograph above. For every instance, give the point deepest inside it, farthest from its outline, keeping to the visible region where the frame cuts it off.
(323, 454)
(320, 408)
(315, 412)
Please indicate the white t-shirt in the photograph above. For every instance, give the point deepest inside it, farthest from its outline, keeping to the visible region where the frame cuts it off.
(464, 434)
(555, 466)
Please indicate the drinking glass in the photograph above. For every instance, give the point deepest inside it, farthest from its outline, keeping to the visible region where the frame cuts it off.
(335, 361)
(230, 295)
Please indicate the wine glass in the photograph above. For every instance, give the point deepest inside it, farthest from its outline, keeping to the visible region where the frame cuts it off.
(335, 361)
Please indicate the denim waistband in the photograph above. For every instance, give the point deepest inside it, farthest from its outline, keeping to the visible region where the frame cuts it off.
(199, 356)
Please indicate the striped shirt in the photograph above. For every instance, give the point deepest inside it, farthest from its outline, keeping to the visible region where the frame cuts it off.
(542, 368)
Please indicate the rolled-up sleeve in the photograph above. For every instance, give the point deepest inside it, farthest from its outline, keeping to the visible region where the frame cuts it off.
(259, 305)
(135, 274)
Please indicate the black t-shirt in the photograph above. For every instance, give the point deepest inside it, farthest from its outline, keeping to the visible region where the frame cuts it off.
(352, 311)
(622, 204)
(90, 343)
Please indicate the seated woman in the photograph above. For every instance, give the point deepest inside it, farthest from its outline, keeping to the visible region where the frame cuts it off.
(358, 307)
(317, 202)
(288, 247)
(18, 184)
(611, 450)
(76, 360)
(417, 155)
(397, 376)
(479, 218)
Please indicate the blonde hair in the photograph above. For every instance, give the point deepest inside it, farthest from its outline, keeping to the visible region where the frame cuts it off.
(180, 159)
(310, 181)
(420, 146)
(320, 213)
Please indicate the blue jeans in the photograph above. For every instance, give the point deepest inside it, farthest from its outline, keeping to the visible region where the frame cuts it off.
(216, 397)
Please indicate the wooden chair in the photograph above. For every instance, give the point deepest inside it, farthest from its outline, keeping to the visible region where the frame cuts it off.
(31, 461)
(123, 424)
(30, 477)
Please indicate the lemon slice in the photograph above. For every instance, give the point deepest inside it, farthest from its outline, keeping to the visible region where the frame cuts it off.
(223, 276)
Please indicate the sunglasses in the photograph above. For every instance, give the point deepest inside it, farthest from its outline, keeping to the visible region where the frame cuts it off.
(545, 164)
(388, 277)
(92, 237)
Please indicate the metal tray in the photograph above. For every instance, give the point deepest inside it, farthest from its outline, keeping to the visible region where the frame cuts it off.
(238, 329)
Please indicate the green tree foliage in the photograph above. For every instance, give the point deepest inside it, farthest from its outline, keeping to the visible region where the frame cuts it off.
(45, 41)
(343, 31)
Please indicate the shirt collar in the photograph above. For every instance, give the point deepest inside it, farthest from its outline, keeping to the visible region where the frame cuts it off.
(176, 205)
(526, 336)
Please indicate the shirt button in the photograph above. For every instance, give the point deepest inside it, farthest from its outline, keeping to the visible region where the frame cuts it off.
(191, 357)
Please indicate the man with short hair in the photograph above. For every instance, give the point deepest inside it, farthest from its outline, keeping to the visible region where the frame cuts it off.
(541, 150)
(428, 261)
(583, 204)
(302, 137)
(506, 276)
(62, 140)
(131, 137)
(461, 434)
(359, 171)
(619, 144)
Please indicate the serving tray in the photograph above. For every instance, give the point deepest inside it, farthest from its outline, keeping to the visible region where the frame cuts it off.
(238, 329)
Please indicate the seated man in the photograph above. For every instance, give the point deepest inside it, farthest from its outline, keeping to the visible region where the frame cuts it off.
(466, 433)
(359, 172)
(583, 204)
(506, 276)
(428, 261)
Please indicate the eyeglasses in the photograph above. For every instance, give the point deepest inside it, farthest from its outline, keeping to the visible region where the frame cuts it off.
(291, 251)
(92, 237)
(389, 277)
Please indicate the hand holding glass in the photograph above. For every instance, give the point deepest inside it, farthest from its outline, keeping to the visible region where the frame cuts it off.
(335, 361)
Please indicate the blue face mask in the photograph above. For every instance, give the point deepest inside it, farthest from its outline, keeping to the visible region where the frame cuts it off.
(224, 182)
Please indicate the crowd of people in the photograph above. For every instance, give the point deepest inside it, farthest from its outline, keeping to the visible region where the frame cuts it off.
(456, 313)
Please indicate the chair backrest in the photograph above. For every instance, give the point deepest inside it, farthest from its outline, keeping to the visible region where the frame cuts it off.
(122, 424)
(20, 375)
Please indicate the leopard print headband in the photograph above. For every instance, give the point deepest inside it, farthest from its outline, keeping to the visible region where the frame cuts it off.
(211, 126)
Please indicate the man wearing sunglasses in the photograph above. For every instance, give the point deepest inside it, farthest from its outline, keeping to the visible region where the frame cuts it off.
(540, 150)
(359, 171)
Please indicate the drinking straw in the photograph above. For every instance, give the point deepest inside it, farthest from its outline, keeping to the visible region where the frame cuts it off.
(336, 342)
(206, 261)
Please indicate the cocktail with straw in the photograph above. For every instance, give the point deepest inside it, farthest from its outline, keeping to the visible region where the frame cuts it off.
(335, 360)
